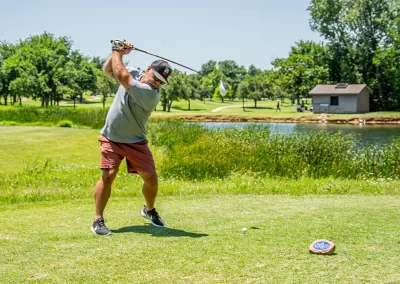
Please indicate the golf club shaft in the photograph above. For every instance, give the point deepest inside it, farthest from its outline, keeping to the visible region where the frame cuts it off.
(137, 49)
(223, 85)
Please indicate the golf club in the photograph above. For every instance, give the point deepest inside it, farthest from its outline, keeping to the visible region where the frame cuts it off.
(223, 87)
(118, 44)
(141, 50)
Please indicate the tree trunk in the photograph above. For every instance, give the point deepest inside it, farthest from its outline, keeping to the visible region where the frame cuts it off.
(380, 87)
(164, 105)
(169, 105)
(5, 99)
(255, 103)
(74, 102)
(189, 104)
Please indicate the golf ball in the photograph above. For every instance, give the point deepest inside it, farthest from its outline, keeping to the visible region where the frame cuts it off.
(244, 230)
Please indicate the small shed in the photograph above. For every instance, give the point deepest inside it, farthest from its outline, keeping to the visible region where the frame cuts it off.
(341, 98)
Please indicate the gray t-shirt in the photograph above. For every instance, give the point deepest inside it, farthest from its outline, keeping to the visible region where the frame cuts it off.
(127, 118)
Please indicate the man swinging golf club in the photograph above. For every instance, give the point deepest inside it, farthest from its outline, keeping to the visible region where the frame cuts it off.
(124, 132)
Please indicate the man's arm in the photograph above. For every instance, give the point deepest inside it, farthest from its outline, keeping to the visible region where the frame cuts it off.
(120, 71)
(108, 67)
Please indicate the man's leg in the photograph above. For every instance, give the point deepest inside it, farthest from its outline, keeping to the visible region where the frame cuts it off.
(150, 188)
(103, 190)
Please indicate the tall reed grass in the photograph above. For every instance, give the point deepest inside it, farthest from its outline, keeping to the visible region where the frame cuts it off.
(194, 152)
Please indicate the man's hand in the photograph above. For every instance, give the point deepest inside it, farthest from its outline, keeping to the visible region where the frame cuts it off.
(122, 46)
(128, 48)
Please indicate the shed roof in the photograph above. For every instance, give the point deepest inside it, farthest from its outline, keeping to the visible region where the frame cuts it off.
(354, 89)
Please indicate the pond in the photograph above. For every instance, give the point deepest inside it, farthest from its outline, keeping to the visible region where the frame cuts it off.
(366, 134)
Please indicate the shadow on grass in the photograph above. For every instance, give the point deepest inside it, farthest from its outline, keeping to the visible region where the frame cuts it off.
(158, 232)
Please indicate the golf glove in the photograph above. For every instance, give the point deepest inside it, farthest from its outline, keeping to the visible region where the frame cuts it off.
(118, 44)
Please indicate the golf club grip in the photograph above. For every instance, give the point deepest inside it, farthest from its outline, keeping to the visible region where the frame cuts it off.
(141, 50)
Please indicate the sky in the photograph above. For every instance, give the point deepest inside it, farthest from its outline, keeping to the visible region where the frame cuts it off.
(189, 32)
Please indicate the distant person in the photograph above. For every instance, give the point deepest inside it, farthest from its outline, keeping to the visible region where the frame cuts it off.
(322, 117)
(278, 106)
(124, 133)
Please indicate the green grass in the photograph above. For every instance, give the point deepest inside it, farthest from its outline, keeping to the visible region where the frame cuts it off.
(47, 178)
(24, 145)
(88, 102)
(228, 107)
(51, 242)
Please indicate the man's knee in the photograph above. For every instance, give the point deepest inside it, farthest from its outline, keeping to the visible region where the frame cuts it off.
(109, 175)
(150, 178)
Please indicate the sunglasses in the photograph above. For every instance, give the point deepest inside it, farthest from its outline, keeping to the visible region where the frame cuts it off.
(158, 80)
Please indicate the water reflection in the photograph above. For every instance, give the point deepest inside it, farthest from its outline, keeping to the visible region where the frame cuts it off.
(367, 135)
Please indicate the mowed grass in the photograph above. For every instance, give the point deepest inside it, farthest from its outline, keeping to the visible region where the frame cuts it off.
(22, 146)
(87, 102)
(51, 242)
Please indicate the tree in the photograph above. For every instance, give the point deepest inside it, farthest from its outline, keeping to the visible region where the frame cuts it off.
(98, 62)
(243, 91)
(233, 74)
(304, 68)
(209, 83)
(193, 87)
(356, 30)
(44, 67)
(24, 83)
(66, 80)
(254, 71)
(255, 87)
(104, 85)
(6, 51)
(179, 87)
(208, 67)
(86, 77)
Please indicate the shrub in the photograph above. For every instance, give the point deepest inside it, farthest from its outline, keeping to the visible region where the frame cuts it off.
(65, 123)
(8, 122)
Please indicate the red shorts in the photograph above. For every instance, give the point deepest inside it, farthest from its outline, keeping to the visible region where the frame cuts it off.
(138, 155)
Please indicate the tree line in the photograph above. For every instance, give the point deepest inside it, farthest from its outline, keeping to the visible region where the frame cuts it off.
(361, 45)
(45, 68)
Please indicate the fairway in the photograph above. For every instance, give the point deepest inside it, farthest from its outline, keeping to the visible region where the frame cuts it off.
(21, 146)
(204, 243)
